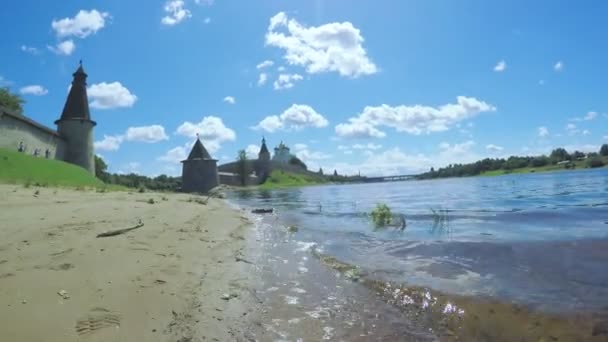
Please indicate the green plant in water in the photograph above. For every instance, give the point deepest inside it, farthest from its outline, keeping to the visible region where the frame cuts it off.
(381, 215)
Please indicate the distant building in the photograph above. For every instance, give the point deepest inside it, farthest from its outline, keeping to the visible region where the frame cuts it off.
(72, 142)
(199, 171)
(281, 154)
(262, 165)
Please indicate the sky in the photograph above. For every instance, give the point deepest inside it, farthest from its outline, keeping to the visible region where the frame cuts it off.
(376, 87)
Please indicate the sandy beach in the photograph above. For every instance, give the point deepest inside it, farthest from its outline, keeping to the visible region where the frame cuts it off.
(176, 278)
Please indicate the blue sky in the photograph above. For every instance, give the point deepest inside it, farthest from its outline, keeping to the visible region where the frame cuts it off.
(377, 86)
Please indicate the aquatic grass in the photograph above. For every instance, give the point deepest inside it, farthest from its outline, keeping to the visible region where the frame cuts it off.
(383, 217)
(441, 220)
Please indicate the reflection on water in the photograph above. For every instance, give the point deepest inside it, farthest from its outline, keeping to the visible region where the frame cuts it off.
(539, 240)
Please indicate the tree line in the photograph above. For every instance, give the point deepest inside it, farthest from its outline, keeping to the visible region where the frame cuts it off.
(557, 156)
(132, 180)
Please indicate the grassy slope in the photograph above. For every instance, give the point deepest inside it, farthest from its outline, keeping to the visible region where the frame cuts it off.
(19, 168)
(579, 164)
(283, 179)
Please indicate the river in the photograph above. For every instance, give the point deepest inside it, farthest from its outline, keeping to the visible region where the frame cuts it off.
(535, 242)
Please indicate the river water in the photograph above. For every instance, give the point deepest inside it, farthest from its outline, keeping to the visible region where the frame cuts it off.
(537, 241)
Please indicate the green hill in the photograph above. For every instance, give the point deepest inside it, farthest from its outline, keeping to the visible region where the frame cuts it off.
(19, 168)
(282, 179)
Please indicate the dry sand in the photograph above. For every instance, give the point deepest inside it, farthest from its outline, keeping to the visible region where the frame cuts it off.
(161, 282)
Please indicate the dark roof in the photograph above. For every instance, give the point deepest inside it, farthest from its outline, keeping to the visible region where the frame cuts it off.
(77, 103)
(264, 149)
(199, 151)
(22, 118)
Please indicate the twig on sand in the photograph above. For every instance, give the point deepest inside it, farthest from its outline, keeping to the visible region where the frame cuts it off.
(120, 231)
(237, 258)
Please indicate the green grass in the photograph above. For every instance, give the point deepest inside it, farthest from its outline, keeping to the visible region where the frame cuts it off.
(19, 168)
(284, 179)
(578, 164)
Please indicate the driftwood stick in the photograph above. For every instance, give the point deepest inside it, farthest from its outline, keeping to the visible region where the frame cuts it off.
(237, 258)
(120, 231)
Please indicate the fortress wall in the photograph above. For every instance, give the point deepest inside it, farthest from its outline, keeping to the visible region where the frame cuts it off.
(14, 129)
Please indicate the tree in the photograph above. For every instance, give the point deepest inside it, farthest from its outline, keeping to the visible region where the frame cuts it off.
(335, 173)
(242, 167)
(101, 169)
(559, 154)
(578, 155)
(321, 171)
(604, 150)
(297, 162)
(11, 101)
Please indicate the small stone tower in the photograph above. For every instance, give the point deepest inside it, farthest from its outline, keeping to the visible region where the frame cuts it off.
(199, 171)
(76, 127)
(262, 166)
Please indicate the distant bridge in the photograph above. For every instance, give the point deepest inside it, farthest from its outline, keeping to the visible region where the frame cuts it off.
(396, 178)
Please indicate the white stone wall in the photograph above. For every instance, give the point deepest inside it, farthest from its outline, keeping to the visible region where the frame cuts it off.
(13, 131)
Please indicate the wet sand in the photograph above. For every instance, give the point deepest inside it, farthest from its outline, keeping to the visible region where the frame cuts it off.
(161, 282)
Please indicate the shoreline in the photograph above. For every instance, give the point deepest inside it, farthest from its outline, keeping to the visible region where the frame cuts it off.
(164, 281)
(467, 317)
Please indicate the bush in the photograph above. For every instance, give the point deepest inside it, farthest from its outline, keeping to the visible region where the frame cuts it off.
(381, 215)
(595, 162)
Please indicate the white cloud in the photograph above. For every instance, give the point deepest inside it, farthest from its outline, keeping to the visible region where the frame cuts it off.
(500, 66)
(82, 25)
(369, 146)
(109, 143)
(543, 131)
(36, 90)
(270, 124)
(30, 49)
(230, 99)
(204, 2)
(262, 79)
(207, 20)
(571, 129)
(110, 95)
(176, 12)
(457, 148)
(415, 119)
(358, 129)
(252, 151)
(559, 66)
(494, 148)
(590, 116)
(541, 82)
(605, 137)
(286, 81)
(583, 148)
(64, 48)
(281, 69)
(395, 161)
(265, 64)
(295, 117)
(147, 134)
(211, 131)
(174, 155)
(310, 158)
(331, 47)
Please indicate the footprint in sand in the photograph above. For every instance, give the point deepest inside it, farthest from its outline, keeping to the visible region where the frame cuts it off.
(98, 318)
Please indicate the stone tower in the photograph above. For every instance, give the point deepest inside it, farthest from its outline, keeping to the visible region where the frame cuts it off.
(262, 167)
(199, 171)
(76, 127)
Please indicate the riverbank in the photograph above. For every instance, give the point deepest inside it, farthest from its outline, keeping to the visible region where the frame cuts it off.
(164, 281)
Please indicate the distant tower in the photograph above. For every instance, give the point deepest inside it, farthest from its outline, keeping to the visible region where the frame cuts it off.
(263, 162)
(199, 171)
(281, 154)
(76, 127)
